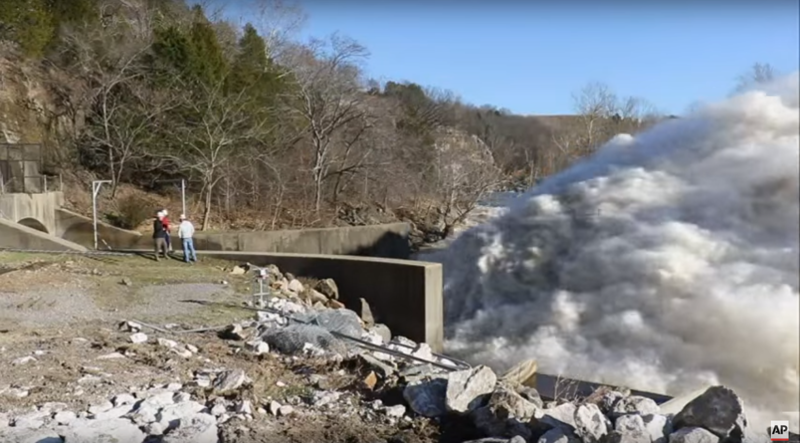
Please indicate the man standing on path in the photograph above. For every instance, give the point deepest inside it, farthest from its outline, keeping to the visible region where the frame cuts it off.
(167, 237)
(159, 235)
(186, 232)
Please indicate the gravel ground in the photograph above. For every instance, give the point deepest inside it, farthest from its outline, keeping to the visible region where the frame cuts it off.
(60, 342)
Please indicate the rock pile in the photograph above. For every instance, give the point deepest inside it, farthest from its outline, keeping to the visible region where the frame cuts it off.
(399, 381)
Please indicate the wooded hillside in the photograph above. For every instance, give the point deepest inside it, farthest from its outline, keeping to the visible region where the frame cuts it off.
(269, 132)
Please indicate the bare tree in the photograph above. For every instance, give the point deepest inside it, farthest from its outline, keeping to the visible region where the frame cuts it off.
(127, 115)
(459, 177)
(758, 74)
(594, 103)
(603, 114)
(116, 97)
(214, 128)
(327, 99)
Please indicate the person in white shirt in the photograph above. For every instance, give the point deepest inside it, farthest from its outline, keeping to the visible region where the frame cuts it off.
(186, 232)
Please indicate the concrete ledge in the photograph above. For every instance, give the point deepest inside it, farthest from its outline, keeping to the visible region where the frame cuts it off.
(387, 240)
(16, 236)
(79, 229)
(404, 295)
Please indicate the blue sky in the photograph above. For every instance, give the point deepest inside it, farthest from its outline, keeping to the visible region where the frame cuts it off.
(531, 57)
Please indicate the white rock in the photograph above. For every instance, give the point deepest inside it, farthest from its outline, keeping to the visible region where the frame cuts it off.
(131, 326)
(244, 407)
(16, 392)
(64, 417)
(144, 415)
(123, 399)
(658, 427)
(590, 423)
(51, 407)
(163, 342)
(31, 421)
(115, 412)
(228, 381)
(199, 428)
(25, 435)
(395, 411)
(23, 360)
(295, 286)
(693, 435)
(103, 407)
(155, 428)
(192, 348)
(464, 388)
(173, 387)
(138, 338)
(285, 410)
(629, 428)
(170, 415)
(181, 351)
(218, 409)
(257, 347)
(274, 407)
(635, 404)
(111, 356)
(158, 400)
(561, 416)
(102, 431)
(558, 435)
(181, 397)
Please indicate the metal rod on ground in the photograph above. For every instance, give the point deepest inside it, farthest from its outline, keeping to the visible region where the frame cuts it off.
(167, 331)
(458, 364)
(96, 185)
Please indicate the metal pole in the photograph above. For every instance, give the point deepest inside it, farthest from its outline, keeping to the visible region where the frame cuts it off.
(183, 196)
(96, 184)
(94, 212)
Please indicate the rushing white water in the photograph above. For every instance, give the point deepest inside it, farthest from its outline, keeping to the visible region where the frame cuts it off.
(664, 262)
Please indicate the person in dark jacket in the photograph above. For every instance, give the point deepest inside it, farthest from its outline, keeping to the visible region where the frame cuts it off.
(167, 237)
(159, 235)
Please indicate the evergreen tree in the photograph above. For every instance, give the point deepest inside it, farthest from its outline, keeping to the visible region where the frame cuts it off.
(207, 63)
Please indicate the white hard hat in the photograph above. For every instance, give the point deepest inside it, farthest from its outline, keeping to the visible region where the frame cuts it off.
(164, 211)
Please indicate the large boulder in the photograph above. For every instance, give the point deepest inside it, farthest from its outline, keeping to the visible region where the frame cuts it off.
(293, 338)
(718, 410)
(590, 423)
(460, 392)
(465, 389)
(506, 414)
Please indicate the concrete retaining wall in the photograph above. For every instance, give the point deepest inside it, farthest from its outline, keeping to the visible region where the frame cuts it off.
(40, 207)
(16, 236)
(404, 295)
(387, 240)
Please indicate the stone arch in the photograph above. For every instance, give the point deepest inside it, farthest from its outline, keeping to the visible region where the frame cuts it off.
(33, 224)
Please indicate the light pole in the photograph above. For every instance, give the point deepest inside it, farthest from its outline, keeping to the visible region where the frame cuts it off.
(96, 184)
(183, 191)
